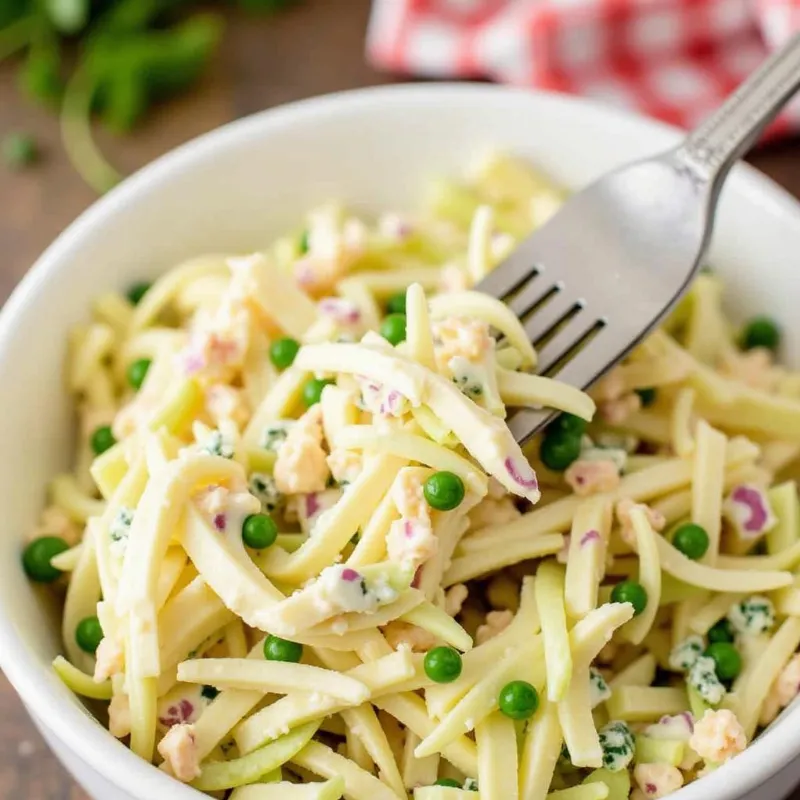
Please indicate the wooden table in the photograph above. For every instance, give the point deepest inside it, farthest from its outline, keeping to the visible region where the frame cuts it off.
(309, 50)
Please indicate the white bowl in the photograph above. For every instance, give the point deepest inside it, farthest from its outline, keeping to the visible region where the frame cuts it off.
(232, 190)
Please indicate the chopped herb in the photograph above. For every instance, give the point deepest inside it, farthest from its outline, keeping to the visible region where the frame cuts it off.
(264, 488)
(752, 616)
(19, 150)
(217, 445)
(130, 54)
(303, 243)
(275, 434)
(618, 746)
(120, 528)
(702, 677)
(685, 653)
(599, 690)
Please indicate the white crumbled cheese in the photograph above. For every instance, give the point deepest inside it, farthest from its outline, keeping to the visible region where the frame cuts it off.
(219, 342)
(407, 491)
(119, 716)
(227, 510)
(752, 616)
(587, 477)
(702, 677)
(380, 400)
(599, 690)
(496, 623)
(275, 433)
(215, 444)
(623, 513)
(657, 780)
(618, 441)
(402, 634)
(312, 508)
(718, 736)
(109, 659)
(345, 589)
(301, 466)
(685, 653)
(455, 598)
(119, 529)
(226, 404)
(263, 486)
(678, 727)
(410, 542)
(470, 378)
(788, 681)
(603, 452)
(618, 745)
(383, 591)
(784, 689)
(345, 465)
(179, 750)
(454, 337)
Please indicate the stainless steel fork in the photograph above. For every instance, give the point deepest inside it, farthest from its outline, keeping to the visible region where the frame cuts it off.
(601, 274)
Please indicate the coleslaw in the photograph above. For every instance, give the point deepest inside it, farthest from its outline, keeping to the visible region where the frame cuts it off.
(303, 556)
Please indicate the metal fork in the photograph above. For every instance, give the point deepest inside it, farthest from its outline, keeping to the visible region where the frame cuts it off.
(601, 273)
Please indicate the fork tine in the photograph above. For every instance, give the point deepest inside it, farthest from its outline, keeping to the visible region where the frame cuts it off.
(508, 276)
(527, 421)
(572, 334)
(531, 293)
(587, 365)
(582, 370)
(553, 311)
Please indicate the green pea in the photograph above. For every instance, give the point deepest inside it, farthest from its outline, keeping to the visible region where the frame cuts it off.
(518, 700)
(630, 592)
(277, 649)
(691, 540)
(137, 292)
(37, 555)
(396, 304)
(312, 391)
(453, 784)
(761, 332)
(259, 531)
(19, 150)
(443, 664)
(647, 396)
(559, 449)
(282, 352)
(393, 328)
(722, 631)
(727, 659)
(444, 491)
(89, 634)
(569, 424)
(137, 372)
(102, 439)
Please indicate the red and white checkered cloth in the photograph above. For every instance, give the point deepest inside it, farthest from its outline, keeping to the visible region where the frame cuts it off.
(671, 59)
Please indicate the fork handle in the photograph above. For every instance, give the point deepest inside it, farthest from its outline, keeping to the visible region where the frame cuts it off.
(724, 137)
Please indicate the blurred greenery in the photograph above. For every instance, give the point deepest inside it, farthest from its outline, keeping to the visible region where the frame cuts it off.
(111, 59)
